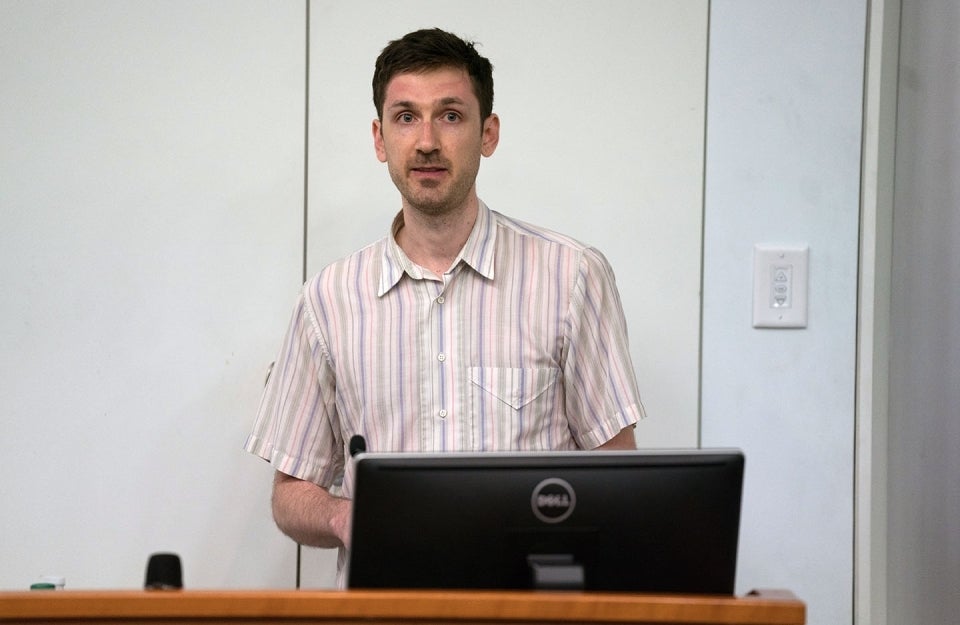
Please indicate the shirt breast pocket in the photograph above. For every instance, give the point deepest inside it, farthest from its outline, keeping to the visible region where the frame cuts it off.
(516, 409)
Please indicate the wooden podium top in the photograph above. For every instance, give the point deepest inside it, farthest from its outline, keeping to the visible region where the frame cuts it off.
(333, 607)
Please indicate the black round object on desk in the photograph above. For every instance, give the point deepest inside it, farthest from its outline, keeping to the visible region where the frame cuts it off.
(164, 572)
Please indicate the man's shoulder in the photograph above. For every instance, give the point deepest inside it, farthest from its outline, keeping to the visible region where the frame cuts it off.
(538, 242)
(360, 265)
(546, 238)
(511, 226)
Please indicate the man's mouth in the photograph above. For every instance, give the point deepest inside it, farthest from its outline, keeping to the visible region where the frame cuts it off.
(429, 175)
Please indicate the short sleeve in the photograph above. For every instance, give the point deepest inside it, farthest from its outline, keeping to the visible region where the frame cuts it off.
(601, 390)
(296, 428)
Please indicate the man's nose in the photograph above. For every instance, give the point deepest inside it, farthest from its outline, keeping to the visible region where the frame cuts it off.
(427, 141)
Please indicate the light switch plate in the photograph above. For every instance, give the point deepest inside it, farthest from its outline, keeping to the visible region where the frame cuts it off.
(780, 286)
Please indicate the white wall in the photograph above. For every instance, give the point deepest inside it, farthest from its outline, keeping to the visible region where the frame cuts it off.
(151, 156)
(783, 158)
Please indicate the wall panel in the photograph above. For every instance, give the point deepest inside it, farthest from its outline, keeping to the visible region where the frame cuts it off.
(783, 145)
(150, 224)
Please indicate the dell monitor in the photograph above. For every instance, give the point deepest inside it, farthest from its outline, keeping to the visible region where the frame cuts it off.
(640, 521)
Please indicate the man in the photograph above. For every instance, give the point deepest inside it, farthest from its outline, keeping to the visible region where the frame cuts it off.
(461, 331)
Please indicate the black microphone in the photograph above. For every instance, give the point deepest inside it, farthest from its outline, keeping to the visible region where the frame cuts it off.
(164, 572)
(358, 445)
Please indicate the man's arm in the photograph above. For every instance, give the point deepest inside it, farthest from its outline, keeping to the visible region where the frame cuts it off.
(309, 514)
(623, 440)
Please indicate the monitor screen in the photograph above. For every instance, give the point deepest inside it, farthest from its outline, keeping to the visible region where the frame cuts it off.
(641, 521)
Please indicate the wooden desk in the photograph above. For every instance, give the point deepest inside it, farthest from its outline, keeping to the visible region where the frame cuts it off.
(394, 608)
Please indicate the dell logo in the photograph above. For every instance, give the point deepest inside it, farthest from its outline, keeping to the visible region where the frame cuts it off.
(553, 500)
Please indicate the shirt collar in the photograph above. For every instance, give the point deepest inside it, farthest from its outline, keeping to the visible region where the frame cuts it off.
(477, 252)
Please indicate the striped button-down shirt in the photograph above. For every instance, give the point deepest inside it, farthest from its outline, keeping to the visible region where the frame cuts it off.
(521, 345)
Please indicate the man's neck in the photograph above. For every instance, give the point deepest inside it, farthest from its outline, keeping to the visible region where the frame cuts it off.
(434, 241)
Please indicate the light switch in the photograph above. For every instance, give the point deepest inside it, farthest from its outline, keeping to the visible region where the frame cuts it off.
(780, 286)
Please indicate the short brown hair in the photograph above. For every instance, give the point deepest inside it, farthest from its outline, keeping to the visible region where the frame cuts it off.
(430, 49)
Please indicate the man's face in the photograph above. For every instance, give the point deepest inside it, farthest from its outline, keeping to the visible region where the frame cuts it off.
(431, 138)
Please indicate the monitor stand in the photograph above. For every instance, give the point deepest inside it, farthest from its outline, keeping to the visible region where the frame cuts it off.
(555, 571)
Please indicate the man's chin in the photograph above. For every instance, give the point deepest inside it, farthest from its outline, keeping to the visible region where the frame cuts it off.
(430, 200)
(428, 207)
(436, 199)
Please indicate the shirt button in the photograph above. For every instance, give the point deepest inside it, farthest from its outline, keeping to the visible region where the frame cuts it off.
(443, 414)
(441, 357)
(440, 300)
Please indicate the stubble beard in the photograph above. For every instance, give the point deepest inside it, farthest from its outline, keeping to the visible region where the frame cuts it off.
(435, 198)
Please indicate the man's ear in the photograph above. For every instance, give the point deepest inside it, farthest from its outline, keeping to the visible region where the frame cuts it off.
(491, 135)
(378, 141)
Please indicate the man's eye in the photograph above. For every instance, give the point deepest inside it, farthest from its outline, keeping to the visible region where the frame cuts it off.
(451, 116)
(405, 118)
